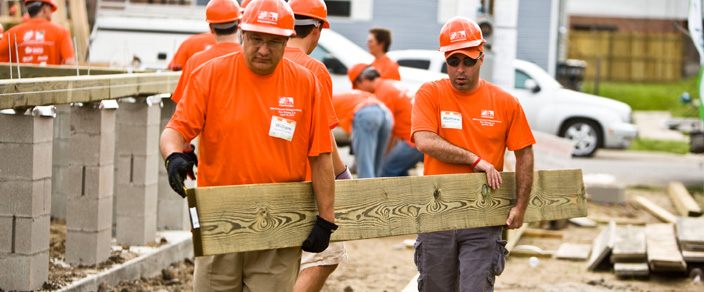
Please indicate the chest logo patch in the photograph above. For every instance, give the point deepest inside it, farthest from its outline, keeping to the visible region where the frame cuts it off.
(487, 114)
(286, 101)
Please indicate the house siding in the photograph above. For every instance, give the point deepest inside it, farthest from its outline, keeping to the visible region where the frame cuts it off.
(533, 28)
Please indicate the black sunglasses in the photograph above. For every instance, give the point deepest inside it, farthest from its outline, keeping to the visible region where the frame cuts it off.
(468, 62)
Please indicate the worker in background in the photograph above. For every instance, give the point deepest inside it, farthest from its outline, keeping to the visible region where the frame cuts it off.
(464, 124)
(368, 120)
(311, 19)
(397, 98)
(39, 41)
(260, 118)
(190, 46)
(378, 42)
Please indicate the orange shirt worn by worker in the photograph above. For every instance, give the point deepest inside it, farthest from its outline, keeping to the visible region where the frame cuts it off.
(398, 99)
(39, 41)
(272, 115)
(348, 103)
(201, 58)
(189, 47)
(388, 69)
(321, 72)
(485, 122)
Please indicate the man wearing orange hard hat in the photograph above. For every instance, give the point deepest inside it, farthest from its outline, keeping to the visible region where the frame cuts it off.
(311, 19)
(202, 41)
(463, 124)
(260, 119)
(38, 41)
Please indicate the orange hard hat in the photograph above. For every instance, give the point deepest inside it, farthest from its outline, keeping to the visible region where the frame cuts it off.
(221, 11)
(311, 8)
(270, 17)
(50, 2)
(354, 71)
(458, 33)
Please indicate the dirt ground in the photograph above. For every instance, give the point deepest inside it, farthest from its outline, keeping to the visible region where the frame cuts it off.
(386, 264)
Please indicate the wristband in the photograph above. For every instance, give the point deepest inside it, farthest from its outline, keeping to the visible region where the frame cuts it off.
(476, 162)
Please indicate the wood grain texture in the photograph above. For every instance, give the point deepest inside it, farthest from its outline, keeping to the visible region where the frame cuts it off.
(655, 210)
(36, 71)
(629, 244)
(690, 233)
(265, 216)
(27, 92)
(663, 252)
(683, 201)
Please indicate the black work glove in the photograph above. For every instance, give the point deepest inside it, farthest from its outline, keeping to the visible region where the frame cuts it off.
(191, 152)
(319, 238)
(178, 165)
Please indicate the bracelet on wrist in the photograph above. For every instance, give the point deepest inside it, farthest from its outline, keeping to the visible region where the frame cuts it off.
(476, 162)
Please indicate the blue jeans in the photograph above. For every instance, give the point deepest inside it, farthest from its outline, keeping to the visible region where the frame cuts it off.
(400, 159)
(371, 130)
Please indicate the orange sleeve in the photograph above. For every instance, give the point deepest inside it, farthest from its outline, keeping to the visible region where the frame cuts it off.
(4, 52)
(180, 86)
(320, 141)
(179, 58)
(326, 89)
(425, 111)
(190, 110)
(519, 132)
(67, 51)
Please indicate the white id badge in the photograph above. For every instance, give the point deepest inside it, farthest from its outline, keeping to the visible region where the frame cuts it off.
(282, 128)
(450, 120)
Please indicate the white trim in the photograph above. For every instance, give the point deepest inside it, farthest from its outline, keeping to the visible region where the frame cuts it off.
(446, 10)
(362, 10)
(552, 39)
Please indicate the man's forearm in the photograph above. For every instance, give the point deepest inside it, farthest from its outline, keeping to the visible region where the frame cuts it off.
(171, 141)
(440, 149)
(524, 176)
(323, 181)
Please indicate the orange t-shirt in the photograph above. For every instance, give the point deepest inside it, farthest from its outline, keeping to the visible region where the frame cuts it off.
(253, 128)
(485, 122)
(200, 58)
(348, 103)
(190, 46)
(398, 99)
(321, 72)
(39, 41)
(388, 69)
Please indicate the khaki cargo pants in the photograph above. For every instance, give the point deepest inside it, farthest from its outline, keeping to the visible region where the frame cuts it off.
(254, 271)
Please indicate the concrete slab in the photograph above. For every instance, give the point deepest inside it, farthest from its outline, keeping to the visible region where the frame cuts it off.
(149, 264)
(24, 273)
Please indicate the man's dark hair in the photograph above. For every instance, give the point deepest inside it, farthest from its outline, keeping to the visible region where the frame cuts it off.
(226, 31)
(34, 7)
(303, 31)
(370, 73)
(382, 35)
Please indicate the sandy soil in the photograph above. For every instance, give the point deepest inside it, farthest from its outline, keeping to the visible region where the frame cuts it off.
(386, 264)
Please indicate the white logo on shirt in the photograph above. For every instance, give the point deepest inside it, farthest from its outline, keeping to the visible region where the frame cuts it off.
(458, 36)
(268, 17)
(28, 35)
(487, 114)
(286, 101)
(39, 35)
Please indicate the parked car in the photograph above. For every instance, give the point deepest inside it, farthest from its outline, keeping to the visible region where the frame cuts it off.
(590, 121)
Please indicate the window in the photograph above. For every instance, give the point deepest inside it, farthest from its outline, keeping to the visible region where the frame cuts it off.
(339, 8)
(351, 9)
(521, 79)
(420, 64)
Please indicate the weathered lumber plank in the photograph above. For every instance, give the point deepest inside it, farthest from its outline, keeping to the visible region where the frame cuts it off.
(535, 232)
(656, 210)
(663, 252)
(683, 201)
(36, 71)
(573, 251)
(254, 217)
(601, 247)
(693, 256)
(631, 269)
(629, 244)
(27, 92)
(690, 233)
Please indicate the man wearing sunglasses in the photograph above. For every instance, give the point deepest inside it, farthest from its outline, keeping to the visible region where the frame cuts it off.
(463, 124)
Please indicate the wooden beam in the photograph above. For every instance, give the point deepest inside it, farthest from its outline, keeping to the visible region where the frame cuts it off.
(690, 233)
(573, 251)
(683, 201)
(663, 252)
(631, 269)
(601, 246)
(80, 27)
(629, 244)
(535, 232)
(265, 216)
(513, 236)
(35, 71)
(18, 93)
(655, 210)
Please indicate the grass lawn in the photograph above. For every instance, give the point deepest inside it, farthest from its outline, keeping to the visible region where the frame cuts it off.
(650, 96)
(677, 147)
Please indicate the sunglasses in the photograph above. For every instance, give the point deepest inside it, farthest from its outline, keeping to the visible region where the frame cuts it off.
(468, 62)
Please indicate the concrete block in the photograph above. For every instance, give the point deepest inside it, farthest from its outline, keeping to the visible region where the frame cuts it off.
(25, 161)
(607, 193)
(26, 129)
(6, 231)
(31, 235)
(89, 214)
(138, 113)
(135, 230)
(85, 120)
(139, 170)
(167, 111)
(23, 273)
(59, 191)
(138, 139)
(173, 214)
(87, 248)
(84, 149)
(107, 148)
(107, 121)
(136, 200)
(97, 183)
(25, 198)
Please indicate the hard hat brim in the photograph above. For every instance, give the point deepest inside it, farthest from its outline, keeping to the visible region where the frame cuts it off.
(267, 29)
(461, 45)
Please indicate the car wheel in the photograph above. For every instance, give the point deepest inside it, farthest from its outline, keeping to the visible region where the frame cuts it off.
(586, 135)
